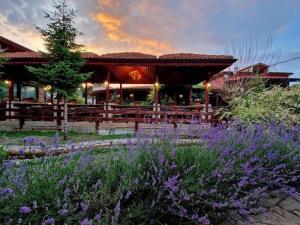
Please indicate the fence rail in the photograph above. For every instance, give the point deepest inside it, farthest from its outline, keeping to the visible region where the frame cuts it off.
(115, 113)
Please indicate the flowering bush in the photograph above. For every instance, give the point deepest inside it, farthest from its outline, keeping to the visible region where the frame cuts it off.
(276, 104)
(156, 181)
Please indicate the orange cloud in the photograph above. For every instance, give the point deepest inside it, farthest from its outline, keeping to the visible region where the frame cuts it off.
(113, 27)
(115, 31)
(109, 3)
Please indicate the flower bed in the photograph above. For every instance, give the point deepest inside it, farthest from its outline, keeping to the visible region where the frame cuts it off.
(155, 181)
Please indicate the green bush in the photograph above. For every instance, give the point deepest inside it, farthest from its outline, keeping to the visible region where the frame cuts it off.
(3, 153)
(277, 104)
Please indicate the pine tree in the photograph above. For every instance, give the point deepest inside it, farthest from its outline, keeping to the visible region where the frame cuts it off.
(64, 62)
(2, 62)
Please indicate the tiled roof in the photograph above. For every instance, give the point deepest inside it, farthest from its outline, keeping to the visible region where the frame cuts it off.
(192, 56)
(123, 56)
(89, 55)
(21, 47)
(38, 55)
(22, 55)
(128, 55)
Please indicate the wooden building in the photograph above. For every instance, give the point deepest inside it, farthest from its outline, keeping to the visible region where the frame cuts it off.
(219, 80)
(26, 101)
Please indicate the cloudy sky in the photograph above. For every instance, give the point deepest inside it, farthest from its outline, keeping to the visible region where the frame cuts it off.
(167, 26)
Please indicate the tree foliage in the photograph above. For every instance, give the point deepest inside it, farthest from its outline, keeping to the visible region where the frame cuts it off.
(2, 62)
(63, 70)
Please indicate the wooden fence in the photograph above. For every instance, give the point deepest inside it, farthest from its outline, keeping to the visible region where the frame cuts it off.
(116, 114)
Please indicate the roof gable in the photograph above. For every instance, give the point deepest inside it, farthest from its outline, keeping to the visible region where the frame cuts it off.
(7, 45)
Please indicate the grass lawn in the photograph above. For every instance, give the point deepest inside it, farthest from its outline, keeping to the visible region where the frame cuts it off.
(16, 138)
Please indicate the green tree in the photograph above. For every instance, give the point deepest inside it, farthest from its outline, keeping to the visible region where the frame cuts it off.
(2, 84)
(63, 70)
(2, 62)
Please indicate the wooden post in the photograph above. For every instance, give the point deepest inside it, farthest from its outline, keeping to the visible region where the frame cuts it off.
(190, 94)
(10, 95)
(58, 114)
(156, 96)
(206, 98)
(85, 92)
(137, 116)
(37, 94)
(107, 93)
(121, 93)
(51, 98)
(19, 90)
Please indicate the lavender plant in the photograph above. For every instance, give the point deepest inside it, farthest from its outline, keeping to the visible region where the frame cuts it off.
(155, 180)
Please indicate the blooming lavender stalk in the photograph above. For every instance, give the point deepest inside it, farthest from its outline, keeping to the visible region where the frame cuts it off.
(25, 209)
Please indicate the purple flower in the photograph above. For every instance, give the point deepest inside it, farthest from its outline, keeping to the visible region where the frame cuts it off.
(67, 192)
(243, 182)
(63, 212)
(195, 217)
(49, 221)
(25, 209)
(42, 144)
(98, 217)
(7, 191)
(204, 220)
(21, 152)
(85, 222)
(173, 166)
(172, 184)
(117, 209)
(128, 194)
(160, 157)
(28, 140)
(182, 212)
(83, 207)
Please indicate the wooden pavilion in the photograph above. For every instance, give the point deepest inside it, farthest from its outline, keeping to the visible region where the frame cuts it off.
(116, 68)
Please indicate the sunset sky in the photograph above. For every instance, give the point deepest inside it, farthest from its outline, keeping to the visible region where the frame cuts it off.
(166, 26)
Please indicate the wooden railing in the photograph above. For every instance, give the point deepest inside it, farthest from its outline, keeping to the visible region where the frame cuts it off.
(115, 113)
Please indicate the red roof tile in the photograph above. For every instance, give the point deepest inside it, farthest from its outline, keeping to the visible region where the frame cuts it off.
(22, 55)
(128, 55)
(89, 55)
(36, 55)
(192, 56)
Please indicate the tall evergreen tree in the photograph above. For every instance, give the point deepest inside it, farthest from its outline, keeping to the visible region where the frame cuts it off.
(63, 70)
(2, 62)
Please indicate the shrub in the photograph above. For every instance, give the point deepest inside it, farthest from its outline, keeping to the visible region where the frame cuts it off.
(156, 181)
(3, 154)
(281, 105)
